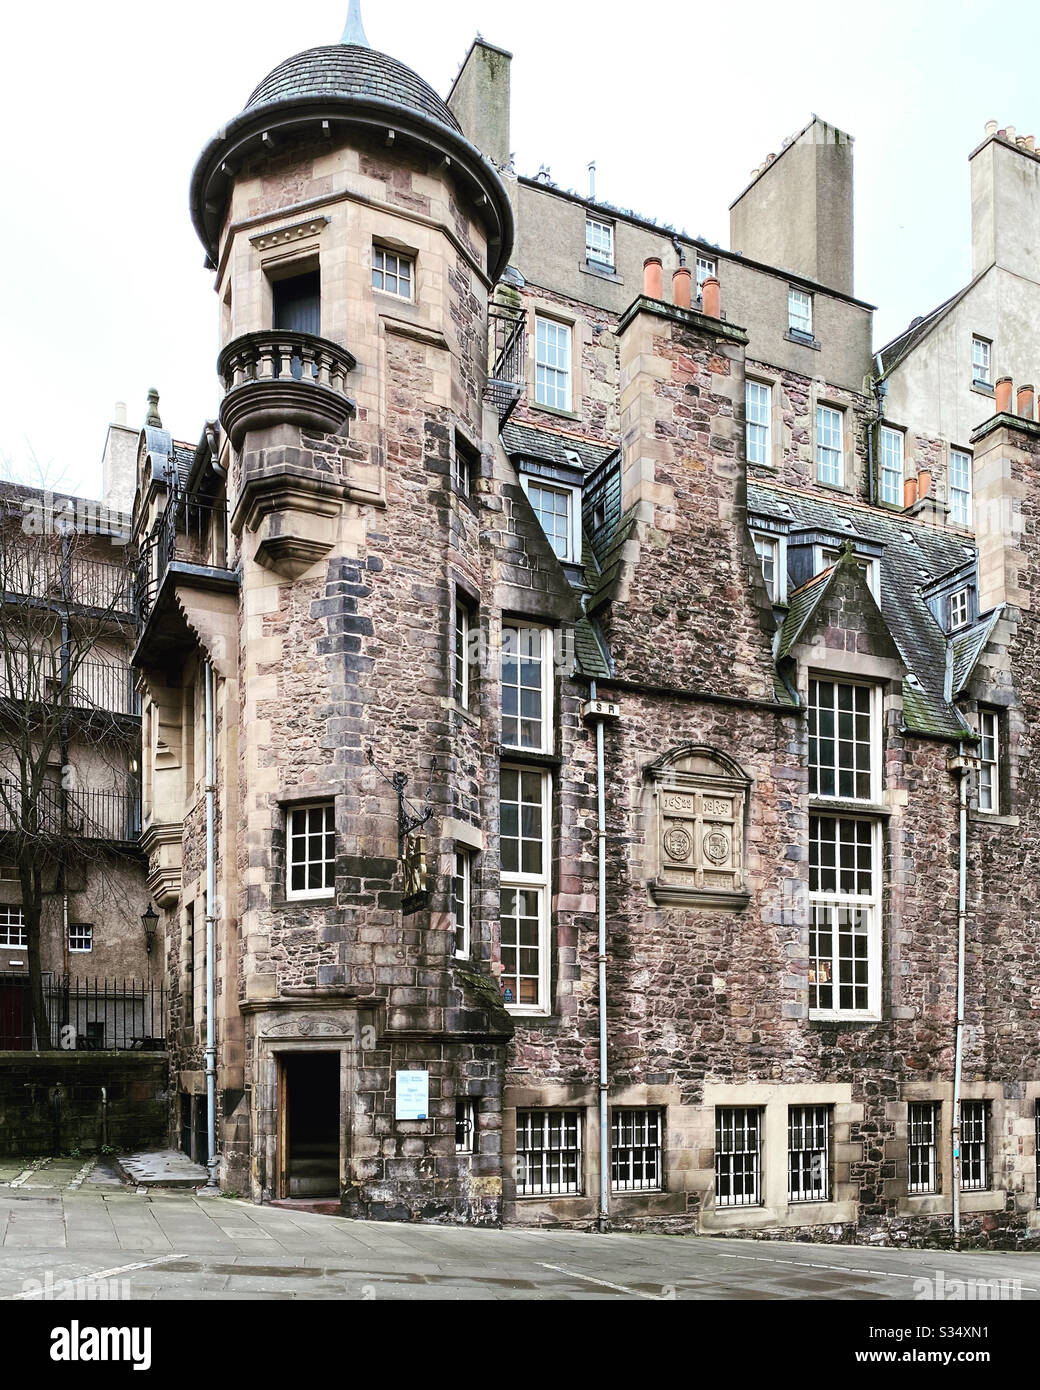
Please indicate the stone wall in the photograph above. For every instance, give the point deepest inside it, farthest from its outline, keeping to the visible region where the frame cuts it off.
(51, 1103)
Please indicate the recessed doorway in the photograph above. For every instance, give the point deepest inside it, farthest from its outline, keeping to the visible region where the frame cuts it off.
(310, 1124)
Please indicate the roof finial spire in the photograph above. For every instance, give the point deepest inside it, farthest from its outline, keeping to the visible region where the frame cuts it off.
(354, 30)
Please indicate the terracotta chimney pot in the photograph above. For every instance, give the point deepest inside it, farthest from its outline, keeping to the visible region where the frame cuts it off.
(924, 482)
(1003, 395)
(682, 291)
(1025, 402)
(991, 127)
(909, 492)
(653, 278)
(711, 302)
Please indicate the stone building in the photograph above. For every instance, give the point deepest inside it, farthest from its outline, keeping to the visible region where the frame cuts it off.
(70, 749)
(591, 746)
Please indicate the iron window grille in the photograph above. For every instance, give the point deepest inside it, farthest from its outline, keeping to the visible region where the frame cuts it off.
(738, 1157)
(552, 384)
(981, 361)
(830, 444)
(13, 931)
(461, 891)
(81, 937)
(599, 242)
(392, 273)
(758, 411)
(548, 1153)
(524, 820)
(311, 851)
(892, 443)
(922, 1147)
(989, 761)
(465, 1126)
(808, 1153)
(635, 1164)
(799, 312)
(960, 487)
(974, 1127)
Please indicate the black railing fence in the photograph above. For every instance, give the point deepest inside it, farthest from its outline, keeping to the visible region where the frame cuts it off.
(192, 530)
(85, 813)
(507, 359)
(89, 1014)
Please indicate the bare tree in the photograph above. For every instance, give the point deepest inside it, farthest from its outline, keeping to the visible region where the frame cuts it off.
(67, 736)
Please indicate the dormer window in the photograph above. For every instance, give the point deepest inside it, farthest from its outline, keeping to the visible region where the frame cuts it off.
(960, 609)
(828, 555)
(558, 508)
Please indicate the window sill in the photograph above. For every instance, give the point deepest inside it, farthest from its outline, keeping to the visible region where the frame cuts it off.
(835, 805)
(802, 339)
(554, 410)
(983, 388)
(843, 488)
(313, 899)
(399, 299)
(466, 498)
(816, 1016)
(991, 818)
(519, 1011)
(600, 272)
(464, 713)
(528, 755)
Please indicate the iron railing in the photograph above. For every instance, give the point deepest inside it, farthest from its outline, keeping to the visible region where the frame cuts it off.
(88, 1014)
(81, 813)
(106, 686)
(507, 356)
(101, 686)
(76, 581)
(191, 530)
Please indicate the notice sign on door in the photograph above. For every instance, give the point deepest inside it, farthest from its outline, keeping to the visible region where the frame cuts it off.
(413, 1095)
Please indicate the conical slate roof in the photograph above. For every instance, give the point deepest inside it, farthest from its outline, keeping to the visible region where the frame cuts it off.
(349, 70)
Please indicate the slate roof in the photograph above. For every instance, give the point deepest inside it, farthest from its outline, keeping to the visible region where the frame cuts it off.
(532, 442)
(968, 646)
(914, 556)
(342, 69)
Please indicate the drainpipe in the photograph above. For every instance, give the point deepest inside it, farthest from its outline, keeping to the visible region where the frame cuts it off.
(603, 1220)
(880, 392)
(211, 895)
(962, 912)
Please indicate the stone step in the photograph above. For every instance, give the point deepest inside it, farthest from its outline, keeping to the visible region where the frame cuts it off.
(162, 1168)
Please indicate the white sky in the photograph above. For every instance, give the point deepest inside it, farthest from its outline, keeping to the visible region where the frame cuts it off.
(105, 107)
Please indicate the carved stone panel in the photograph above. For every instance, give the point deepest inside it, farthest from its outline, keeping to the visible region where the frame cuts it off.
(700, 803)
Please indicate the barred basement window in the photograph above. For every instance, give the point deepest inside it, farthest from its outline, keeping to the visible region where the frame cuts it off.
(81, 936)
(392, 273)
(461, 888)
(830, 446)
(738, 1157)
(465, 1126)
(13, 931)
(311, 856)
(808, 1153)
(974, 1126)
(923, 1147)
(548, 1152)
(635, 1137)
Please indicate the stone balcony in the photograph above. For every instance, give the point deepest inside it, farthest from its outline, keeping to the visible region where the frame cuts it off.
(280, 378)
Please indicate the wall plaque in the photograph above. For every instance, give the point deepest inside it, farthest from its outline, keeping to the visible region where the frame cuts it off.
(701, 799)
(412, 1099)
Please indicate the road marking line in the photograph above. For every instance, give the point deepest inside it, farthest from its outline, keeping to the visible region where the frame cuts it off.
(604, 1283)
(101, 1274)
